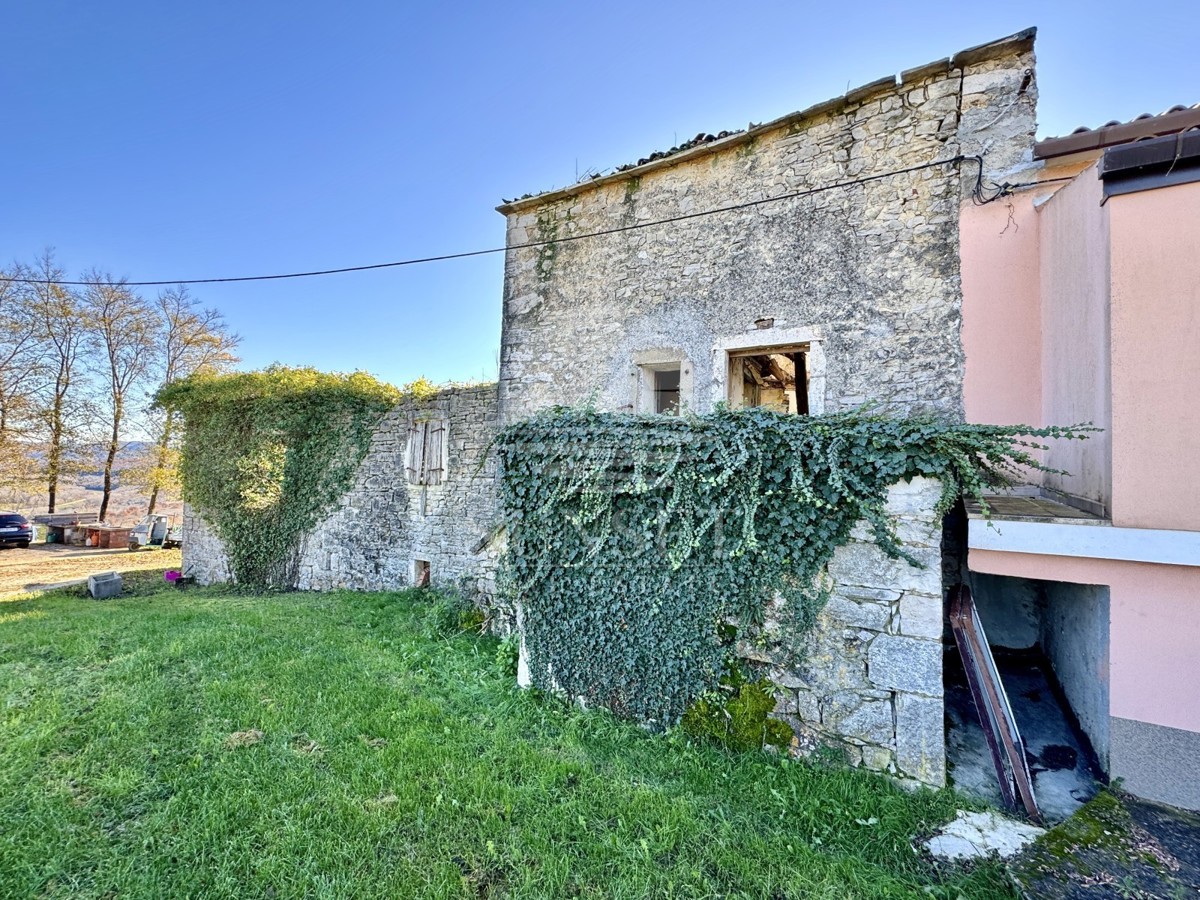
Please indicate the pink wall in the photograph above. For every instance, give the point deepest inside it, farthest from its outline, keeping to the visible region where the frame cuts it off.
(1075, 367)
(1002, 329)
(1156, 358)
(1155, 629)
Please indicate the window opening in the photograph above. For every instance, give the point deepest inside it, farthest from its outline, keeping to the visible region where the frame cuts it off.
(421, 573)
(666, 391)
(661, 382)
(774, 379)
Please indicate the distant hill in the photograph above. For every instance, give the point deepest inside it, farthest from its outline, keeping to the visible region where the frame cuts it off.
(81, 492)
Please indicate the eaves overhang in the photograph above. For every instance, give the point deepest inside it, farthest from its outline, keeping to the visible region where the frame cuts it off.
(1090, 140)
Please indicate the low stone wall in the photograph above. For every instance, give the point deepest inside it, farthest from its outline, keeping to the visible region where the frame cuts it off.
(383, 523)
(869, 677)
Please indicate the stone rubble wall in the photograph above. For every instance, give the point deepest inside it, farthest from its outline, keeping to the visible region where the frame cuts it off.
(204, 556)
(383, 523)
(871, 270)
(869, 677)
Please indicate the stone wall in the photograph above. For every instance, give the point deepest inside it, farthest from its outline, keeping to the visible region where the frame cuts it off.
(204, 555)
(383, 523)
(869, 677)
(868, 272)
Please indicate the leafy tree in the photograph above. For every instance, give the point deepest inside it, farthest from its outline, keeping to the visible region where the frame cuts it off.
(123, 333)
(20, 350)
(193, 341)
(62, 330)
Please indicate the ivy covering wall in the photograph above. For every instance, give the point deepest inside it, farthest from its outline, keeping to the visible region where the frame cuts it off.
(266, 453)
(637, 544)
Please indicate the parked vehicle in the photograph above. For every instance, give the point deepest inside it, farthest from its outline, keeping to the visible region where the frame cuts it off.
(156, 531)
(15, 529)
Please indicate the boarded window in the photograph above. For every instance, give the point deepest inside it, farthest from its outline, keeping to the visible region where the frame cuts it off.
(426, 462)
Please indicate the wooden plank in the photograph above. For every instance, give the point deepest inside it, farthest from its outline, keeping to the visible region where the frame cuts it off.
(995, 713)
(437, 432)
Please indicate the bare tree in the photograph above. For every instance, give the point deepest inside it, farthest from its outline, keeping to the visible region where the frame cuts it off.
(19, 377)
(62, 331)
(18, 354)
(123, 332)
(192, 340)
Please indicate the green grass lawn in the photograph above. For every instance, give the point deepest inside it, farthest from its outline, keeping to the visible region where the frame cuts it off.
(394, 763)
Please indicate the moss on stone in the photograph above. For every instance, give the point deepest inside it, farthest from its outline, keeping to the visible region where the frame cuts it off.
(742, 721)
(1102, 845)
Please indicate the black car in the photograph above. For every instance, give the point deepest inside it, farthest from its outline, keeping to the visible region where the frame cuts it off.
(15, 529)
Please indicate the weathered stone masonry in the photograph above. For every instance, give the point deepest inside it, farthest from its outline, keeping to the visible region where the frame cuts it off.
(869, 678)
(869, 272)
(865, 277)
(384, 523)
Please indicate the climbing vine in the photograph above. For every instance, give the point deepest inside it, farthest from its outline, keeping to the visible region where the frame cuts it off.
(266, 453)
(634, 541)
(547, 252)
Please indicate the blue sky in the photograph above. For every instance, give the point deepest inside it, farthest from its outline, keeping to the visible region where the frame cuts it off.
(164, 140)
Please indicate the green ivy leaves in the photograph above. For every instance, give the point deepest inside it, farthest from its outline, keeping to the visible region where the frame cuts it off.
(267, 453)
(633, 538)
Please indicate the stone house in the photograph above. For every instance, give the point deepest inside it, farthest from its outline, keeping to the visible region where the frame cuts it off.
(421, 506)
(829, 277)
(835, 256)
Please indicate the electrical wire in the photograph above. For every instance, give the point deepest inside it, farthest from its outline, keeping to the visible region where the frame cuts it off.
(978, 195)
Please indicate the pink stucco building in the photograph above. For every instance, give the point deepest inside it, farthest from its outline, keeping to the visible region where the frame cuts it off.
(1081, 303)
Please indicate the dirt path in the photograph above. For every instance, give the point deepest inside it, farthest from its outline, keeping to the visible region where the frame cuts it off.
(52, 564)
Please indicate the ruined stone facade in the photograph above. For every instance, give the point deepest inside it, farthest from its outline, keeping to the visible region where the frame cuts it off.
(836, 237)
(865, 274)
(856, 265)
(384, 526)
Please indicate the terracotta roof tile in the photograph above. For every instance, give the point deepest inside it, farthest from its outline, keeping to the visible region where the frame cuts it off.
(1147, 125)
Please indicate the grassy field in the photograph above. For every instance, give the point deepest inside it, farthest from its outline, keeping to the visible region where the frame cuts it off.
(196, 744)
(22, 570)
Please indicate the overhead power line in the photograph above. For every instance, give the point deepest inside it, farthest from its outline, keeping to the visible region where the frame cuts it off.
(977, 195)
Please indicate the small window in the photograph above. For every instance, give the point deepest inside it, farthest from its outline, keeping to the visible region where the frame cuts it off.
(771, 378)
(662, 382)
(426, 458)
(666, 391)
(421, 573)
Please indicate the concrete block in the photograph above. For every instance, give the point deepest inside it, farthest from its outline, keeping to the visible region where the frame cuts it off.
(104, 585)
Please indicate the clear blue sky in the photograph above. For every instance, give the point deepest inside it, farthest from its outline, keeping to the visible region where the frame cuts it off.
(169, 140)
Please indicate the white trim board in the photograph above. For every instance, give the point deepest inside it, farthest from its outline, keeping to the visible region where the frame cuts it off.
(1150, 545)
